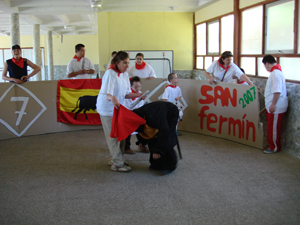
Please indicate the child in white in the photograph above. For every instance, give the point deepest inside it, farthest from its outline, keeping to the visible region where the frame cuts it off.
(172, 92)
(141, 69)
(136, 86)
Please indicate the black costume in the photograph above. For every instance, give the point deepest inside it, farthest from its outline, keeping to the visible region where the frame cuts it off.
(16, 71)
(164, 117)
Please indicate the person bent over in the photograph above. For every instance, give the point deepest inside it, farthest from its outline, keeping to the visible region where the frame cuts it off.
(159, 133)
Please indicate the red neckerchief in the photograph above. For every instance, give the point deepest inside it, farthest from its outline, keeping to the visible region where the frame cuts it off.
(221, 65)
(240, 82)
(113, 67)
(19, 63)
(140, 67)
(171, 86)
(133, 92)
(75, 57)
(276, 67)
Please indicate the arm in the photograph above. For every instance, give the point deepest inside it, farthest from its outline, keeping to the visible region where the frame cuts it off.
(5, 77)
(209, 77)
(245, 78)
(133, 95)
(114, 100)
(79, 72)
(35, 68)
(274, 101)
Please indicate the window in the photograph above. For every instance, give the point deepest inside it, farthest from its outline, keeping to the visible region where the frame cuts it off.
(201, 39)
(279, 30)
(213, 37)
(268, 27)
(227, 29)
(252, 31)
(208, 43)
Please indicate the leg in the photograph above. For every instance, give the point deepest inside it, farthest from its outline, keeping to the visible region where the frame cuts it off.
(273, 131)
(114, 146)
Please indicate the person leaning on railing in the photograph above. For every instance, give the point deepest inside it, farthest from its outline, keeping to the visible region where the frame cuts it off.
(17, 67)
(223, 70)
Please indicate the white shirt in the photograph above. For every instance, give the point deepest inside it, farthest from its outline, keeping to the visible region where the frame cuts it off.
(276, 84)
(143, 73)
(218, 72)
(171, 93)
(75, 66)
(115, 85)
(129, 101)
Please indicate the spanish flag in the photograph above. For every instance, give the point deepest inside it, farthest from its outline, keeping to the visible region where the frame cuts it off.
(76, 101)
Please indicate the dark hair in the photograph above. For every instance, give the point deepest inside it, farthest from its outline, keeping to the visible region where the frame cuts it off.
(134, 79)
(170, 76)
(121, 55)
(78, 47)
(140, 54)
(269, 59)
(225, 55)
(15, 47)
(114, 52)
(242, 70)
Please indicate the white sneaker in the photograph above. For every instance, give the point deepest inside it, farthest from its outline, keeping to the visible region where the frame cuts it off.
(120, 169)
(110, 162)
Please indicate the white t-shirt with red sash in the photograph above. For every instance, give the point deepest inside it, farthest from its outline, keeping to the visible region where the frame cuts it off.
(143, 71)
(218, 70)
(171, 92)
(276, 84)
(115, 83)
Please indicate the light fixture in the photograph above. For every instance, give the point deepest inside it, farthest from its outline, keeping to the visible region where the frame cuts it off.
(95, 4)
(67, 26)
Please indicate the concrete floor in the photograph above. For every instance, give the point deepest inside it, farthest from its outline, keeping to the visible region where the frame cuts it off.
(64, 178)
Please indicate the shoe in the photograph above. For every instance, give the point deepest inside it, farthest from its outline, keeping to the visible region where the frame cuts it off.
(120, 169)
(129, 151)
(110, 162)
(178, 133)
(268, 151)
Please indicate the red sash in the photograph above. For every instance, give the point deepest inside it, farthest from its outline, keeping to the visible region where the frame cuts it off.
(140, 67)
(113, 67)
(75, 57)
(276, 67)
(19, 63)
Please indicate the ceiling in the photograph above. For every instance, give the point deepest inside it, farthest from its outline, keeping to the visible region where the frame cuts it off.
(76, 17)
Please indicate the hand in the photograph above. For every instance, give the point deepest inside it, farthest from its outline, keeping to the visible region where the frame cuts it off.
(177, 98)
(211, 80)
(156, 156)
(272, 108)
(144, 97)
(115, 102)
(24, 78)
(148, 78)
(18, 81)
(141, 146)
(84, 71)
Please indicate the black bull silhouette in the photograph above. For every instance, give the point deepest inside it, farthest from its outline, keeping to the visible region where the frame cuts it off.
(86, 103)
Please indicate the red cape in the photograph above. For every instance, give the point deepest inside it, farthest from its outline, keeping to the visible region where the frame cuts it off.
(124, 123)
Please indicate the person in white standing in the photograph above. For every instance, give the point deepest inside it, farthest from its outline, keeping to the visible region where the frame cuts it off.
(80, 67)
(141, 69)
(276, 103)
(172, 92)
(114, 89)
